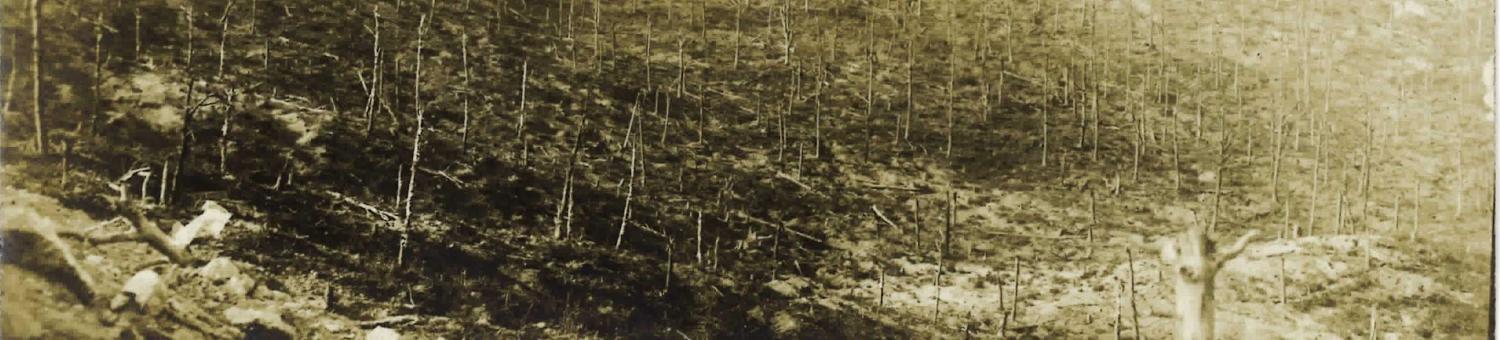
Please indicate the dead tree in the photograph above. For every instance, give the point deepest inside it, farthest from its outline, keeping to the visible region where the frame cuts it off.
(464, 131)
(36, 74)
(98, 75)
(1195, 263)
(372, 101)
(416, 144)
(10, 79)
(185, 152)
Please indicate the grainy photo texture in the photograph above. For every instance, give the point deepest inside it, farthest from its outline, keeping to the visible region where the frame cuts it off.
(726, 169)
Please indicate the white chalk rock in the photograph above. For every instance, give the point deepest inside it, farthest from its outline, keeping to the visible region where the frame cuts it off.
(240, 286)
(220, 268)
(212, 221)
(382, 333)
(241, 315)
(139, 289)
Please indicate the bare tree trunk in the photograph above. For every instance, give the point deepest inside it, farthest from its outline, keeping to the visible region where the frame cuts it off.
(948, 215)
(911, 104)
(629, 187)
(565, 202)
(137, 34)
(1094, 143)
(1276, 158)
(416, 144)
(464, 131)
(224, 36)
(1135, 314)
(189, 110)
(1119, 314)
(521, 118)
(253, 12)
(224, 132)
(598, 20)
(37, 53)
(738, 9)
(10, 80)
(1045, 118)
(372, 103)
(869, 85)
(98, 72)
(161, 193)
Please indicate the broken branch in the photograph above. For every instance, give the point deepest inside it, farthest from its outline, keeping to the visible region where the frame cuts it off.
(388, 216)
(1238, 247)
(883, 218)
(444, 175)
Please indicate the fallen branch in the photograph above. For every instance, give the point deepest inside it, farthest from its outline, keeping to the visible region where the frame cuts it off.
(444, 175)
(788, 178)
(1049, 237)
(883, 218)
(101, 225)
(388, 216)
(147, 231)
(640, 226)
(195, 318)
(390, 321)
(747, 217)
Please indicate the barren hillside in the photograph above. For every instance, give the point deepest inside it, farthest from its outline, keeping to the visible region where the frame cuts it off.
(743, 169)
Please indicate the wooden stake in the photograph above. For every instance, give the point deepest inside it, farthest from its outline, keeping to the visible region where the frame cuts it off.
(1282, 277)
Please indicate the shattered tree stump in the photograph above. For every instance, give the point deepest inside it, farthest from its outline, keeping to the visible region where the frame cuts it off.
(1195, 264)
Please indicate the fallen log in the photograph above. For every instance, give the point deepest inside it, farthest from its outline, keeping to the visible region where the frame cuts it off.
(145, 231)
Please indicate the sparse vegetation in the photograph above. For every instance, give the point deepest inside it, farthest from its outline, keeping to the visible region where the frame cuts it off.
(790, 185)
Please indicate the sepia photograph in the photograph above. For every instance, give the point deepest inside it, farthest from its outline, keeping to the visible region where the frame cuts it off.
(747, 169)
